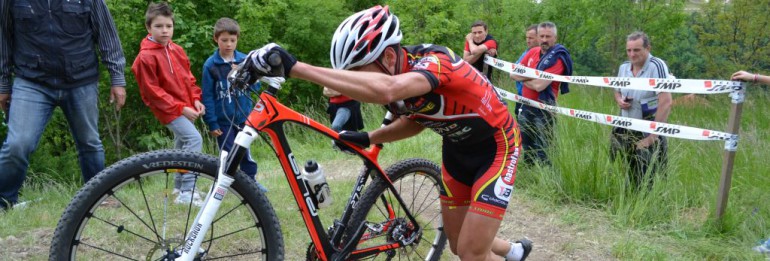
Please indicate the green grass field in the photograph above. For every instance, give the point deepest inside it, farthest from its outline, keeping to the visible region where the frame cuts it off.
(678, 212)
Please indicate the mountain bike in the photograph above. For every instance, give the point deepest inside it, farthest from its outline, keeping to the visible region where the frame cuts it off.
(125, 211)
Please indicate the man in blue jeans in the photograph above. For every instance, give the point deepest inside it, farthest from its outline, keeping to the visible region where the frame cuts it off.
(47, 60)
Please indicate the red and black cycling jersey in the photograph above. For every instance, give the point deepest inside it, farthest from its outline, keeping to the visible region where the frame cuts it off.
(462, 105)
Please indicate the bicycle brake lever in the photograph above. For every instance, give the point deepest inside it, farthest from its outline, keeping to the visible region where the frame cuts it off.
(240, 76)
(274, 82)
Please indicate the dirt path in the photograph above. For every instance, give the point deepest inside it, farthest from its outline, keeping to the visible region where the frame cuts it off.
(553, 238)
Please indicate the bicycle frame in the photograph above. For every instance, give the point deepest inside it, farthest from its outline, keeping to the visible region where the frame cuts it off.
(268, 116)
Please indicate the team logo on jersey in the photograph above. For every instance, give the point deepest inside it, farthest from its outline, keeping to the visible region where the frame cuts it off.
(502, 190)
(425, 62)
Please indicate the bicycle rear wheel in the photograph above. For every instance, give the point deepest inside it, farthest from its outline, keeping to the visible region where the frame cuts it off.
(417, 181)
(128, 212)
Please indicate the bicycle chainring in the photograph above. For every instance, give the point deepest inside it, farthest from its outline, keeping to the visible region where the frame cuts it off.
(312, 255)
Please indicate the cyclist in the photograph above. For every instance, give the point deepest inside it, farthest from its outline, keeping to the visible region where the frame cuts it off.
(428, 86)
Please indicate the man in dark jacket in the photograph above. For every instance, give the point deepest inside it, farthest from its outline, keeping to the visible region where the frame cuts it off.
(537, 124)
(48, 59)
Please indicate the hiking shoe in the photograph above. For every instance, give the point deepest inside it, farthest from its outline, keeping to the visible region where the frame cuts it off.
(185, 197)
(526, 244)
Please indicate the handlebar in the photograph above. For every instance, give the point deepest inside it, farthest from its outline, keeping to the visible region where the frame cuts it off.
(241, 76)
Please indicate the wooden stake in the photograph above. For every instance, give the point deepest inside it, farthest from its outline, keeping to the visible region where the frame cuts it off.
(733, 126)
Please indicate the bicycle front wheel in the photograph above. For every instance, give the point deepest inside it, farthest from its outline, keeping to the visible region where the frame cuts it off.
(132, 211)
(417, 181)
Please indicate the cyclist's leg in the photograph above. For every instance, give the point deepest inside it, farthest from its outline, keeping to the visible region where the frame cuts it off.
(491, 191)
(454, 194)
(186, 137)
(80, 108)
(475, 223)
(452, 215)
(477, 236)
(31, 108)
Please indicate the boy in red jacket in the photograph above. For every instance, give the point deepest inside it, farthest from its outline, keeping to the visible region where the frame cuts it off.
(167, 86)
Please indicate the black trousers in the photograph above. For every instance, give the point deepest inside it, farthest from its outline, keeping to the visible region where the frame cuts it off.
(643, 164)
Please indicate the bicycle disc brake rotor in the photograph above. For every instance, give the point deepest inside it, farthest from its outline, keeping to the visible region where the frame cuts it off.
(404, 231)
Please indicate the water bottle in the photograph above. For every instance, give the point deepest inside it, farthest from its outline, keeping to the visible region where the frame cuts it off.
(316, 180)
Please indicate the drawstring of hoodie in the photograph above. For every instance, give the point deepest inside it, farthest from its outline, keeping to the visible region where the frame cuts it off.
(168, 57)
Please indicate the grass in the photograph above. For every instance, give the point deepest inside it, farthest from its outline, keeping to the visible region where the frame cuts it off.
(673, 220)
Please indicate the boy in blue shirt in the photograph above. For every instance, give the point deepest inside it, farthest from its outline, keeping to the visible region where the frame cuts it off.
(230, 107)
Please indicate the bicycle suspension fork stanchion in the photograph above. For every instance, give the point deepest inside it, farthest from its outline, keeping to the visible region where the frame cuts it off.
(228, 165)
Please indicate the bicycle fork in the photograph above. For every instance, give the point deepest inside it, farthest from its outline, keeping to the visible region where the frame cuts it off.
(228, 165)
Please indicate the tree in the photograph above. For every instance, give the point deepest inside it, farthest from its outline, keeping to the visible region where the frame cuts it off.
(733, 36)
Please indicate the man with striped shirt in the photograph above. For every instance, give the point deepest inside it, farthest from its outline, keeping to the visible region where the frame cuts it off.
(48, 59)
(641, 150)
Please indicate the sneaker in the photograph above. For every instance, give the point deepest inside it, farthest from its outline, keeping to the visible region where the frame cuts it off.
(185, 197)
(527, 245)
(763, 247)
(25, 204)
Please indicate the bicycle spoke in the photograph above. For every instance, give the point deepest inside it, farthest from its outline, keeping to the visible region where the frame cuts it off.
(122, 229)
(105, 250)
(146, 204)
(112, 193)
(416, 192)
(228, 212)
(228, 234)
(189, 206)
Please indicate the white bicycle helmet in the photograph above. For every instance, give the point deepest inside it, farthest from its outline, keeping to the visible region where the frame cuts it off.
(362, 37)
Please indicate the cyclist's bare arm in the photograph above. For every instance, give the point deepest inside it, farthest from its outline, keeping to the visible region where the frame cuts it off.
(372, 87)
(401, 128)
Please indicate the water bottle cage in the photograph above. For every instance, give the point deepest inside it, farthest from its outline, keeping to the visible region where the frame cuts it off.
(318, 192)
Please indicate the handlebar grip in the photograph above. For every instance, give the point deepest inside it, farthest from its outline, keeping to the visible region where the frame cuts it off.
(274, 58)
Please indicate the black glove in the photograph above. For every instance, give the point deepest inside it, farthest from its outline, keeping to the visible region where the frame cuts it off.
(271, 60)
(360, 139)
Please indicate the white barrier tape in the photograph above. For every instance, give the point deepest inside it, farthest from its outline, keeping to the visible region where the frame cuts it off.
(732, 144)
(645, 84)
(738, 96)
(659, 128)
